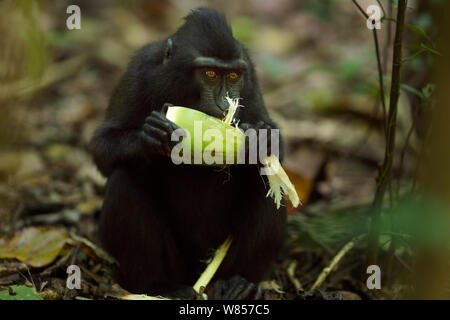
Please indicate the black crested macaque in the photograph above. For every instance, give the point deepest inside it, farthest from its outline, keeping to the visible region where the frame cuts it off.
(162, 221)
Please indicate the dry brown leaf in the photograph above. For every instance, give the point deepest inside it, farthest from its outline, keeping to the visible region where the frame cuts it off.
(36, 246)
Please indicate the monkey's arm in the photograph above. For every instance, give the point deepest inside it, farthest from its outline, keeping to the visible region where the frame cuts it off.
(112, 145)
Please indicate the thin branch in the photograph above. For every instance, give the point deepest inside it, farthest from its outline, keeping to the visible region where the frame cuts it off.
(380, 69)
(291, 274)
(380, 76)
(212, 267)
(413, 55)
(327, 270)
(388, 37)
(382, 9)
(385, 172)
(360, 9)
(395, 239)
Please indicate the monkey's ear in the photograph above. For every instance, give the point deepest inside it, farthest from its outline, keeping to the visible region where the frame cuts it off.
(168, 52)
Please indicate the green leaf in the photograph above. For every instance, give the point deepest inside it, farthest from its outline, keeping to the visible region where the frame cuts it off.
(412, 90)
(422, 219)
(422, 48)
(417, 30)
(36, 246)
(428, 90)
(415, 54)
(385, 78)
(426, 48)
(19, 293)
(384, 242)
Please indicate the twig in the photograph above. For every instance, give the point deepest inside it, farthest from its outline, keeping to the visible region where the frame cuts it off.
(393, 245)
(382, 9)
(360, 9)
(390, 257)
(380, 77)
(212, 267)
(291, 274)
(380, 69)
(59, 264)
(385, 171)
(388, 37)
(327, 270)
(31, 278)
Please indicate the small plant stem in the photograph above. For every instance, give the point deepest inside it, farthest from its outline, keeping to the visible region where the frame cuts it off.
(385, 170)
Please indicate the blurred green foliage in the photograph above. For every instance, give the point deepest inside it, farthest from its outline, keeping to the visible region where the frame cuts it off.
(418, 221)
(19, 293)
(324, 9)
(34, 40)
(244, 29)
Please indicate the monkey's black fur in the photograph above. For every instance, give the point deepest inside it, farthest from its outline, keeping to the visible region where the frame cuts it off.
(161, 221)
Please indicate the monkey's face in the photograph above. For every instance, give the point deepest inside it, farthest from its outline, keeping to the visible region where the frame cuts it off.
(215, 85)
(217, 79)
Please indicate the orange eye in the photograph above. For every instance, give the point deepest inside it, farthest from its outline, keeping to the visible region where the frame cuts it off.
(210, 74)
(233, 75)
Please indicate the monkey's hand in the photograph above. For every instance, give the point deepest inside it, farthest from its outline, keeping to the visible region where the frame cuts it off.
(156, 134)
(265, 143)
(236, 288)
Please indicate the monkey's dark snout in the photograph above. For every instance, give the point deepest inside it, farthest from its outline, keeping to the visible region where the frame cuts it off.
(223, 110)
(223, 105)
(217, 109)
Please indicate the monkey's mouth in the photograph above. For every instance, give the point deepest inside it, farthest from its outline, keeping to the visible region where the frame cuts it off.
(223, 112)
(217, 112)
